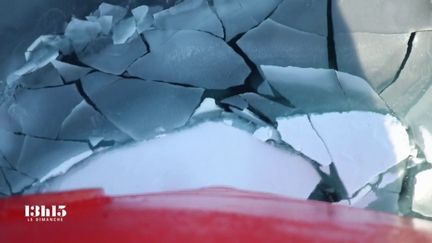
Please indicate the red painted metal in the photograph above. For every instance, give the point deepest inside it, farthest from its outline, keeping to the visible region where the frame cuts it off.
(208, 215)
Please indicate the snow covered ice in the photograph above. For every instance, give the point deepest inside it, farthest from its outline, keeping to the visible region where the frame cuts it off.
(306, 99)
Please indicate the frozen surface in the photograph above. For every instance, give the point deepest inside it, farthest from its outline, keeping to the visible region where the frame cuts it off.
(272, 43)
(359, 94)
(33, 107)
(309, 16)
(142, 108)
(322, 90)
(239, 16)
(10, 146)
(414, 79)
(312, 90)
(70, 72)
(85, 123)
(40, 156)
(4, 163)
(240, 161)
(105, 56)
(4, 187)
(374, 57)
(409, 96)
(17, 180)
(385, 16)
(423, 193)
(167, 71)
(190, 14)
(194, 58)
(97, 80)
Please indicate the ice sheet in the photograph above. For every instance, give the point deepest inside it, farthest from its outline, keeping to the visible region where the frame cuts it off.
(192, 58)
(272, 43)
(142, 109)
(189, 14)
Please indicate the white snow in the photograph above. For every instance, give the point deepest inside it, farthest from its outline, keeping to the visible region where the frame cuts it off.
(426, 146)
(423, 193)
(298, 132)
(211, 154)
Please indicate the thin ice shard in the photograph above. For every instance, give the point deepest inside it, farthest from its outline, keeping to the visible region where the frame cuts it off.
(385, 202)
(38, 58)
(265, 107)
(309, 16)
(105, 22)
(84, 123)
(70, 72)
(40, 156)
(374, 57)
(193, 58)
(357, 151)
(142, 109)
(124, 30)
(236, 101)
(298, 132)
(41, 112)
(392, 179)
(82, 32)
(43, 77)
(189, 14)
(239, 16)
(249, 116)
(143, 18)
(385, 16)
(105, 56)
(265, 89)
(117, 12)
(229, 157)
(60, 43)
(272, 43)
